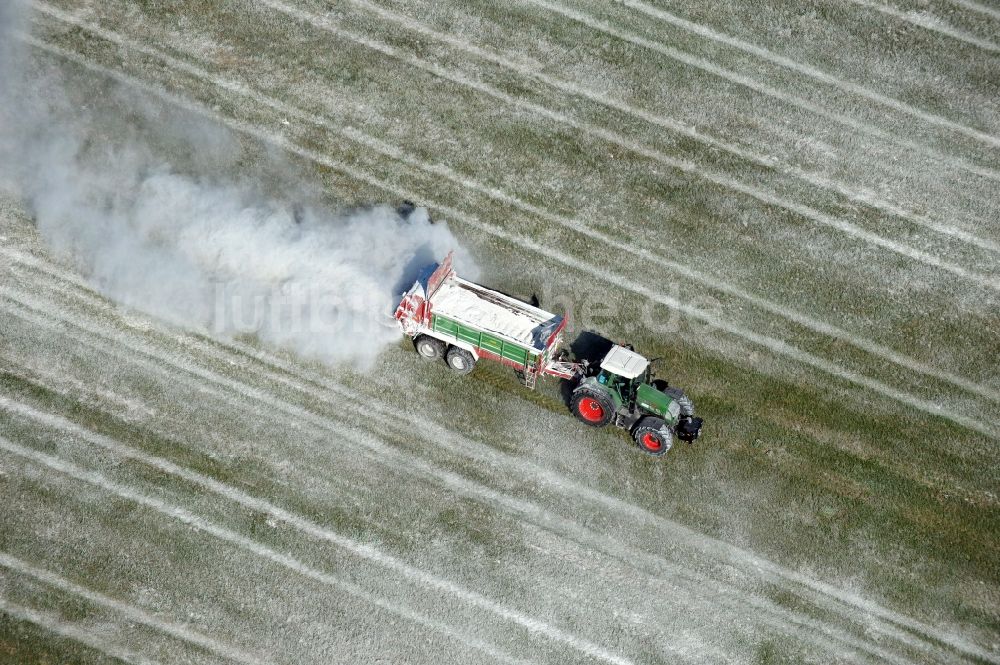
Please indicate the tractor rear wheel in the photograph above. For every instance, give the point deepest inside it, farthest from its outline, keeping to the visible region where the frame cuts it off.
(650, 437)
(460, 360)
(592, 407)
(430, 348)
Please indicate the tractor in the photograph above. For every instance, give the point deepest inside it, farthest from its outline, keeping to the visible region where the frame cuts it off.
(622, 391)
(463, 322)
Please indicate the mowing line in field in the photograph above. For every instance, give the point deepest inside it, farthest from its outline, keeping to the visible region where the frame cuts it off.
(777, 617)
(225, 349)
(232, 537)
(809, 70)
(250, 130)
(70, 631)
(929, 22)
(322, 22)
(765, 89)
(442, 437)
(378, 452)
(976, 7)
(72, 286)
(318, 532)
(683, 534)
(132, 612)
(660, 260)
(774, 345)
(70, 56)
(672, 124)
(464, 447)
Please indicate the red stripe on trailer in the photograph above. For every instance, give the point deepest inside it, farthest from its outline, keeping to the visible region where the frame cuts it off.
(440, 274)
(483, 353)
(408, 306)
(556, 332)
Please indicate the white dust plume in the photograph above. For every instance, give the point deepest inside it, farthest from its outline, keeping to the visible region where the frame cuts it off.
(171, 214)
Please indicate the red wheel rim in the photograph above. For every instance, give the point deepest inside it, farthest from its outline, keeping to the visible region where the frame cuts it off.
(651, 442)
(591, 410)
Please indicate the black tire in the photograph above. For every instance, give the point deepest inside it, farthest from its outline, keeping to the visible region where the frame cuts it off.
(592, 407)
(683, 401)
(460, 360)
(660, 384)
(649, 436)
(430, 348)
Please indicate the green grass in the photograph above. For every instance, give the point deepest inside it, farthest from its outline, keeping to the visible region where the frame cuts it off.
(795, 466)
(23, 642)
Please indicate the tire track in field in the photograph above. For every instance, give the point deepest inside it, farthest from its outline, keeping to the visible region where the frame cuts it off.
(324, 23)
(692, 539)
(810, 71)
(133, 613)
(397, 153)
(771, 344)
(294, 413)
(699, 590)
(380, 453)
(54, 624)
(890, 631)
(228, 351)
(525, 510)
(370, 553)
(253, 547)
(976, 7)
(787, 97)
(822, 588)
(929, 22)
(672, 124)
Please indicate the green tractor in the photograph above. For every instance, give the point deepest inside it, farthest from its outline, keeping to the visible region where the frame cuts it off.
(623, 392)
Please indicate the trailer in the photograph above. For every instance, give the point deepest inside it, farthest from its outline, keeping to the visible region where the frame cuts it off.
(451, 318)
(463, 322)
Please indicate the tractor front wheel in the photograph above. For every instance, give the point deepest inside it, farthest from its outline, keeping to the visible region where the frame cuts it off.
(430, 348)
(652, 437)
(592, 407)
(460, 360)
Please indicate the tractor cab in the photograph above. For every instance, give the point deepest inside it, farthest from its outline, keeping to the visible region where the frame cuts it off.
(620, 370)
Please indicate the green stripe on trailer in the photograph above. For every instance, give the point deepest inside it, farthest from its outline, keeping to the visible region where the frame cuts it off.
(470, 335)
(483, 340)
(492, 344)
(515, 353)
(441, 324)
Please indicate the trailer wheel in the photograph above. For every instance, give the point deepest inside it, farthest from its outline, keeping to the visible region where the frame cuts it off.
(430, 348)
(652, 437)
(460, 360)
(592, 407)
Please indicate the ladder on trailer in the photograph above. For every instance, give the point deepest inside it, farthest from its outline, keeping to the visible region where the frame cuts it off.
(529, 378)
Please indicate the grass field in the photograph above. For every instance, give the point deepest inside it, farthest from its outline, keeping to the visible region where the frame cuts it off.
(795, 204)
